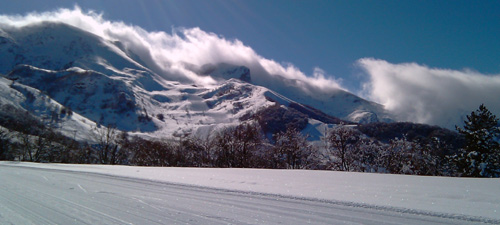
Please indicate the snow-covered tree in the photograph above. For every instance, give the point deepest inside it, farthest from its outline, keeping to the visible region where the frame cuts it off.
(342, 143)
(368, 155)
(292, 149)
(480, 156)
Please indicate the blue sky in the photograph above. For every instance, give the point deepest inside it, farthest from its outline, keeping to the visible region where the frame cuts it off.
(330, 35)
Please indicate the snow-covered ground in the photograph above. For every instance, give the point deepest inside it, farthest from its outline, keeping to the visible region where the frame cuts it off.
(439, 196)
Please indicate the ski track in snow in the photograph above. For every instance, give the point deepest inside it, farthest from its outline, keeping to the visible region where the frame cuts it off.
(27, 197)
(83, 189)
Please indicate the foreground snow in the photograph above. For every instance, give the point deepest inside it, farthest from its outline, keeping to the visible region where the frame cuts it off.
(441, 196)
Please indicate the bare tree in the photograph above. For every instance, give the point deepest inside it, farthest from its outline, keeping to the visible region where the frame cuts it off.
(248, 138)
(5, 145)
(236, 146)
(342, 143)
(41, 148)
(225, 149)
(106, 147)
(292, 148)
(151, 153)
(208, 153)
(26, 147)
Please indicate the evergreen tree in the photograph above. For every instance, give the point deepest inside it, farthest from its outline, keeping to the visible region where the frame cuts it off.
(480, 156)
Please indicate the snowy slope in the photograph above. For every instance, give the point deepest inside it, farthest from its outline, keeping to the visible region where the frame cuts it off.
(466, 199)
(95, 95)
(106, 82)
(20, 98)
(57, 46)
(338, 103)
(108, 100)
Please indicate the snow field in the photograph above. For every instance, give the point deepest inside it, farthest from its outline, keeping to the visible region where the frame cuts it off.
(441, 196)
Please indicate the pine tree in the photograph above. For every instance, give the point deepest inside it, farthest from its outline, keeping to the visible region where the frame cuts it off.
(480, 156)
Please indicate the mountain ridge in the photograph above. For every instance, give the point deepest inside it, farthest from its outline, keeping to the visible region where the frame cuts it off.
(109, 84)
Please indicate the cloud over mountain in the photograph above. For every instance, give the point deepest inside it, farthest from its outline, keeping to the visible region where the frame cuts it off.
(175, 54)
(428, 95)
(409, 91)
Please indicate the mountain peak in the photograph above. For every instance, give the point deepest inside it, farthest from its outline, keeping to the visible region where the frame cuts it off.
(225, 71)
(110, 83)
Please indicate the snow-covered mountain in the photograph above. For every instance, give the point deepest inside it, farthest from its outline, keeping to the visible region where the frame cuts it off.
(108, 83)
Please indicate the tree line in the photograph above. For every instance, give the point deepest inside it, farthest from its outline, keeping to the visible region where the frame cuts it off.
(345, 147)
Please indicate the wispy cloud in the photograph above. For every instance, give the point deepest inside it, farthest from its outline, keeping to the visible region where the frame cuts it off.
(427, 95)
(169, 53)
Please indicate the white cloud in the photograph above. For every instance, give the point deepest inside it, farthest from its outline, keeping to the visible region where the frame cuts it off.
(168, 53)
(412, 92)
(427, 95)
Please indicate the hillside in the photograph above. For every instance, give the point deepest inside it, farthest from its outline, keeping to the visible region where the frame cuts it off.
(108, 83)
